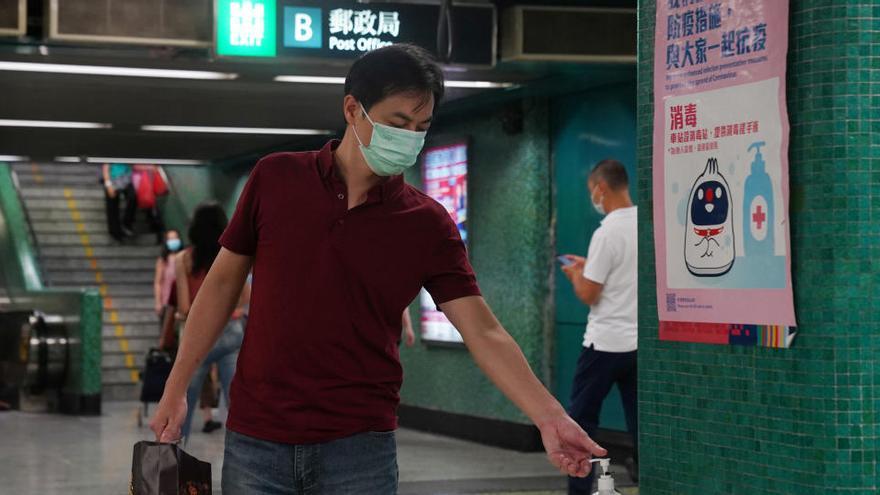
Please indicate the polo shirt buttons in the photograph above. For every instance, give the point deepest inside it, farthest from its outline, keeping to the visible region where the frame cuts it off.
(340, 196)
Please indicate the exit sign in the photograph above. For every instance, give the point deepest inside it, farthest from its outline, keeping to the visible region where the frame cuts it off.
(246, 28)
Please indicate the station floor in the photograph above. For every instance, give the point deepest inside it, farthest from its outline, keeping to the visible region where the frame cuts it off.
(53, 454)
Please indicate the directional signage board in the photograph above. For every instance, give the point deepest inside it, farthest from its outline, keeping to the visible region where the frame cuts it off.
(345, 29)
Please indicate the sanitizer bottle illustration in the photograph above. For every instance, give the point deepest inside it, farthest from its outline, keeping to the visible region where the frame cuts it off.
(709, 242)
(758, 209)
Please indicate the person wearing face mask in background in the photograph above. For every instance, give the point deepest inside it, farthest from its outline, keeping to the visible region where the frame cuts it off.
(607, 281)
(339, 245)
(164, 277)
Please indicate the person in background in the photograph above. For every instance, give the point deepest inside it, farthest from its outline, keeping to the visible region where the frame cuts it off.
(164, 274)
(340, 245)
(191, 266)
(148, 184)
(117, 181)
(163, 281)
(409, 336)
(607, 281)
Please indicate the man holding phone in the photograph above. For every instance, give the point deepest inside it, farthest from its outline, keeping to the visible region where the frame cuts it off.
(607, 281)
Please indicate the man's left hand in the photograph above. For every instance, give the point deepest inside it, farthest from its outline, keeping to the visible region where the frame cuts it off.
(410, 336)
(568, 446)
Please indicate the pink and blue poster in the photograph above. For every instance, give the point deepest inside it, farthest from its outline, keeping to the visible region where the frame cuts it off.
(720, 172)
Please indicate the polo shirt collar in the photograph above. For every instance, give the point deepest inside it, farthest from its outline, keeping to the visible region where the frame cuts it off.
(381, 192)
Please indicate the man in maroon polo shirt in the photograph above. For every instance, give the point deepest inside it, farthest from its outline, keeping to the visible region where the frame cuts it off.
(339, 245)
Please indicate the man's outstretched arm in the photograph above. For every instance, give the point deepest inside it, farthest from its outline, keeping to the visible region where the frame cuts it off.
(568, 447)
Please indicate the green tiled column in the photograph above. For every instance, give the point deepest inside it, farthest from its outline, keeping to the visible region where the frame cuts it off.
(91, 314)
(743, 420)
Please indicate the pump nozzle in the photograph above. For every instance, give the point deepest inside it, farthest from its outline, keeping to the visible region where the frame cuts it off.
(758, 164)
(757, 145)
(606, 481)
(604, 463)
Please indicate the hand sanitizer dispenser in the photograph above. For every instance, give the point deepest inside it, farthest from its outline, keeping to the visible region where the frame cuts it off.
(758, 211)
(606, 481)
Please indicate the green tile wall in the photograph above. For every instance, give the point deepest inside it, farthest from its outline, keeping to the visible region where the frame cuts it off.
(510, 247)
(734, 420)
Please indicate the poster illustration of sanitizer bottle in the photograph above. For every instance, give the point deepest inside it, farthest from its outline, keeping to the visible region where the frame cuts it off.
(721, 173)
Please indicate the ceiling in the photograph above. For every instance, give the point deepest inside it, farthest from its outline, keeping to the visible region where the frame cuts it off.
(253, 99)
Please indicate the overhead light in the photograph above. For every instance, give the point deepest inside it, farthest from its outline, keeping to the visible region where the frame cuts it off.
(236, 130)
(450, 83)
(103, 70)
(477, 84)
(109, 159)
(53, 124)
(311, 79)
(14, 158)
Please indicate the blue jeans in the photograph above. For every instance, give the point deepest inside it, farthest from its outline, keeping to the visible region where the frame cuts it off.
(365, 463)
(596, 373)
(224, 354)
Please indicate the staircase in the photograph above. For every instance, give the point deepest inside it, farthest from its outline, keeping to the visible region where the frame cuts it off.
(65, 207)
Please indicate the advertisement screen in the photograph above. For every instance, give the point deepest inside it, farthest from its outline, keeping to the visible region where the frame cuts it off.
(444, 173)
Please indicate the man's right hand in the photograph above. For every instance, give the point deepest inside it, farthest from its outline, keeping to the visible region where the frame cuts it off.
(168, 419)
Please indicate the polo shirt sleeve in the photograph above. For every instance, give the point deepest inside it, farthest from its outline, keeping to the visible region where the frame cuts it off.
(601, 257)
(240, 235)
(450, 275)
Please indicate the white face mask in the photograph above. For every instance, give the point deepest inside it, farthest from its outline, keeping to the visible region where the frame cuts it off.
(597, 205)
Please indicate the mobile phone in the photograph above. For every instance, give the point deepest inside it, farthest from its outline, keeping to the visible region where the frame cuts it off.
(564, 260)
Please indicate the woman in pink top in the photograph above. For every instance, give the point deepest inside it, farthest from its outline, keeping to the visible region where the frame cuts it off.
(164, 277)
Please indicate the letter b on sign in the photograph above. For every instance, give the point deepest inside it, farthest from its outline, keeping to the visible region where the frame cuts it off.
(302, 27)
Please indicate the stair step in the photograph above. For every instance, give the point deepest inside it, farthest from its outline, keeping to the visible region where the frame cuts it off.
(135, 345)
(116, 360)
(63, 215)
(29, 179)
(136, 330)
(110, 360)
(33, 204)
(105, 264)
(96, 239)
(118, 392)
(114, 289)
(60, 169)
(95, 192)
(68, 227)
(126, 316)
(116, 251)
(88, 277)
(117, 375)
(122, 303)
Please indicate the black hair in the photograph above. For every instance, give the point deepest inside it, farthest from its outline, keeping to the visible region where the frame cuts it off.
(165, 251)
(391, 70)
(612, 172)
(208, 223)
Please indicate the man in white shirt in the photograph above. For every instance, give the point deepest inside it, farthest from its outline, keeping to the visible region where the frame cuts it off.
(607, 281)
